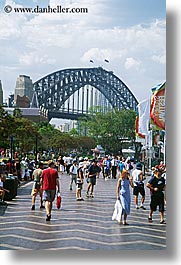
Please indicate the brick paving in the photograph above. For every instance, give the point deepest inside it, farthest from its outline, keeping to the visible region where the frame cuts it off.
(79, 225)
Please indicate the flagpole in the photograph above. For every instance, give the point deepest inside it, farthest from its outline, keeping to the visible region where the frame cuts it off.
(150, 150)
(164, 150)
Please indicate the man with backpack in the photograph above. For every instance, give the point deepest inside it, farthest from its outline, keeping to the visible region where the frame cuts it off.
(138, 181)
(93, 170)
(79, 183)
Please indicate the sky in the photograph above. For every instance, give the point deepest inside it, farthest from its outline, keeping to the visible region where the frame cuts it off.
(131, 34)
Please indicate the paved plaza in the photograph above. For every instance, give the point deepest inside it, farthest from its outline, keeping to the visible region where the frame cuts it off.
(79, 225)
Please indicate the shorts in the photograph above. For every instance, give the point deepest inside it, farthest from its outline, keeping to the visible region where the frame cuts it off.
(36, 189)
(92, 180)
(79, 186)
(107, 171)
(157, 201)
(139, 189)
(73, 177)
(49, 195)
(35, 192)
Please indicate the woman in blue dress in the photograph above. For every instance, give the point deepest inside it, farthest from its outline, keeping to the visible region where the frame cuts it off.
(123, 193)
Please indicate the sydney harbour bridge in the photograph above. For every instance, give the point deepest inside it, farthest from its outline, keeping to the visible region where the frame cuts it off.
(70, 93)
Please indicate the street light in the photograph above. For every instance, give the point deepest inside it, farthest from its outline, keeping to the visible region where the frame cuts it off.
(11, 151)
(36, 147)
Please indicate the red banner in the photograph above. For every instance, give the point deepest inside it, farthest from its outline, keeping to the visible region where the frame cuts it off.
(136, 128)
(157, 109)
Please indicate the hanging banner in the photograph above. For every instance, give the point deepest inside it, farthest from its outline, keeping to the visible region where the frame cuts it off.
(157, 109)
(144, 116)
(138, 134)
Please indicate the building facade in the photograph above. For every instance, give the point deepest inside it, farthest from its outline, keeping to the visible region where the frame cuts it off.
(23, 91)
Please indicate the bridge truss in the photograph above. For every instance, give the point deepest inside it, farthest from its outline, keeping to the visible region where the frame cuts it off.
(70, 93)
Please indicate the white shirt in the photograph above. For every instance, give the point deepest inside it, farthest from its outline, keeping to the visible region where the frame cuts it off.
(114, 162)
(136, 176)
(73, 169)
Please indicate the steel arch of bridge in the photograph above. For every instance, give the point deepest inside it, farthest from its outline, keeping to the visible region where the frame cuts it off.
(54, 89)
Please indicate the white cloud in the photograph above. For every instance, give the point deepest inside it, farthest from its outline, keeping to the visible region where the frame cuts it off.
(39, 43)
(30, 59)
(131, 63)
(159, 58)
(101, 54)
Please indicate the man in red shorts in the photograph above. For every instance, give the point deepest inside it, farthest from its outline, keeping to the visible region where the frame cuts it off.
(49, 182)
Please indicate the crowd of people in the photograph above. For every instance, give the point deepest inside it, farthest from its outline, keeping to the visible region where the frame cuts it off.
(46, 181)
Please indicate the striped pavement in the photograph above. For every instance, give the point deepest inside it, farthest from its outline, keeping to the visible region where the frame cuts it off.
(78, 225)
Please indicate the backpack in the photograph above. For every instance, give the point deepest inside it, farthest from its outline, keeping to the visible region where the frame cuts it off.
(72, 169)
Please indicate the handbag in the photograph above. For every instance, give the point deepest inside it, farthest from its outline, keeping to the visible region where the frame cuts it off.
(118, 210)
(58, 201)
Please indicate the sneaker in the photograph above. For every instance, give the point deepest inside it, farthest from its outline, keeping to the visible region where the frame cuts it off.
(42, 207)
(162, 222)
(142, 207)
(137, 207)
(48, 218)
(70, 188)
(91, 195)
(33, 207)
(87, 194)
(149, 219)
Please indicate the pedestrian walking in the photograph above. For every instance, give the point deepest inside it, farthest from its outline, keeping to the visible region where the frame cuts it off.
(107, 168)
(93, 170)
(122, 165)
(114, 166)
(79, 182)
(36, 186)
(123, 194)
(128, 165)
(69, 161)
(138, 182)
(157, 185)
(18, 169)
(60, 164)
(49, 183)
(23, 165)
(73, 174)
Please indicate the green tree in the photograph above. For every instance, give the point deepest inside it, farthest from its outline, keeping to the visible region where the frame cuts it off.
(111, 129)
(73, 132)
(45, 133)
(25, 134)
(86, 144)
(17, 113)
(7, 127)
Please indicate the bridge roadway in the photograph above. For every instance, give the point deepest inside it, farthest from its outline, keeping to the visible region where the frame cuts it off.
(79, 225)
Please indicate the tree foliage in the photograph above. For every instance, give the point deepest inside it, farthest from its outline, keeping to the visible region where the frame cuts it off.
(111, 129)
(21, 129)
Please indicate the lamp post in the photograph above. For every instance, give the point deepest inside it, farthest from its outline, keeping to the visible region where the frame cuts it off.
(36, 147)
(11, 151)
(143, 150)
